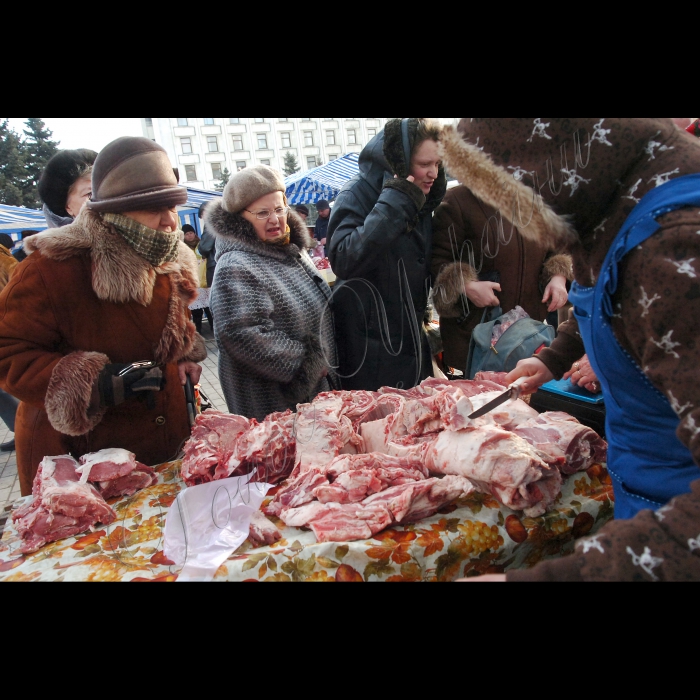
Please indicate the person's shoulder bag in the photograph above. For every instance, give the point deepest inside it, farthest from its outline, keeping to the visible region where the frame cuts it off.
(519, 341)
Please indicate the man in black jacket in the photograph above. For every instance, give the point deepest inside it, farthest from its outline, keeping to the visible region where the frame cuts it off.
(324, 215)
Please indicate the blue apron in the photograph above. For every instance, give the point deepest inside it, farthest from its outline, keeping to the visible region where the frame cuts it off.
(647, 462)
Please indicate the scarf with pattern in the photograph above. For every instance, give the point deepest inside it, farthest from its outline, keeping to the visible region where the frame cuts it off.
(157, 247)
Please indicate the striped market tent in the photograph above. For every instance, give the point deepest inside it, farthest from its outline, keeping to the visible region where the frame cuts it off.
(189, 212)
(323, 182)
(14, 220)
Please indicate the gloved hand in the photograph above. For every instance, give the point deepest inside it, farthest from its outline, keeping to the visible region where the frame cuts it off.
(115, 389)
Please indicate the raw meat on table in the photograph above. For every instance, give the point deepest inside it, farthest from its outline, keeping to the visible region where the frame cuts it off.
(500, 463)
(574, 447)
(262, 531)
(115, 472)
(62, 505)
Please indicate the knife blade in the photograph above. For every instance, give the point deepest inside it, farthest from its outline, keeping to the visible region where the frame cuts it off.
(514, 391)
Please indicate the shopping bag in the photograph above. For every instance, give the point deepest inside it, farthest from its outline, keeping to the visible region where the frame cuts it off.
(520, 340)
(203, 274)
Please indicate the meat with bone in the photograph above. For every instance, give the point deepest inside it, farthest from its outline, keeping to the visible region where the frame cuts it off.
(323, 432)
(575, 447)
(262, 531)
(267, 449)
(500, 463)
(115, 472)
(354, 521)
(213, 439)
(62, 505)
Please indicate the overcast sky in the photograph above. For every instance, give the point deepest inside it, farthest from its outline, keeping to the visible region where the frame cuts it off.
(86, 133)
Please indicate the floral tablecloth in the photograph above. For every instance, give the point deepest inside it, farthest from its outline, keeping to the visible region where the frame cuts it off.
(470, 537)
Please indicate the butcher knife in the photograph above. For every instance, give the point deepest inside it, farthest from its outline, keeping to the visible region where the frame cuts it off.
(514, 391)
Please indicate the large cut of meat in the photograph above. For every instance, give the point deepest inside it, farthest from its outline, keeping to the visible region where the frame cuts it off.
(224, 445)
(207, 451)
(500, 463)
(573, 446)
(262, 532)
(62, 505)
(115, 472)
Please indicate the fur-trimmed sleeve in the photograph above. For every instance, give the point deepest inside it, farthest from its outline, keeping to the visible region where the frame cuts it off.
(557, 264)
(70, 393)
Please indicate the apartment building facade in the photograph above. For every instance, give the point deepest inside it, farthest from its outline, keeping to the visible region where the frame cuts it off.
(203, 148)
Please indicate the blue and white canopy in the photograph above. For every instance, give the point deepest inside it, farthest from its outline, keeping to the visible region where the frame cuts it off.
(14, 220)
(195, 197)
(323, 182)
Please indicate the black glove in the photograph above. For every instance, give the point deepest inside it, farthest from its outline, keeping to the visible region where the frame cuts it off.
(141, 382)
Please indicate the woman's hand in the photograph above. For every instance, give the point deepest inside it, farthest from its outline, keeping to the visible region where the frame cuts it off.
(481, 294)
(533, 368)
(191, 368)
(582, 373)
(555, 293)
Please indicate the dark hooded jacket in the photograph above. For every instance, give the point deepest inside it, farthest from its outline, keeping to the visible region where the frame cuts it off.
(379, 246)
(591, 173)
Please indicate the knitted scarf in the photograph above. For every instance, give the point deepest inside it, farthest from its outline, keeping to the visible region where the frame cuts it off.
(157, 247)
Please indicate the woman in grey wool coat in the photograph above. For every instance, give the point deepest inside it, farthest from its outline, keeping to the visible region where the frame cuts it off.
(273, 322)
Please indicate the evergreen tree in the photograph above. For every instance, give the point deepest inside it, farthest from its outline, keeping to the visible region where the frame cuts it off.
(225, 175)
(290, 164)
(38, 149)
(13, 176)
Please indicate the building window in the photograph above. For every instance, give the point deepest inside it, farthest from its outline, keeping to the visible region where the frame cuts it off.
(262, 141)
(149, 121)
(330, 138)
(265, 161)
(308, 138)
(332, 157)
(235, 120)
(186, 145)
(258, 121)
(352, 136)
(286, 139)
(208, 121)
(237, 142)
(182, 121)
(282, 119)
(216, 171)
(240, 165)
(212, 144)
(311, 161)
(371, 132)
(191, 173)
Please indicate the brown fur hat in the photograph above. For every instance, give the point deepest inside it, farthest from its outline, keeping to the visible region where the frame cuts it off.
(248, 185)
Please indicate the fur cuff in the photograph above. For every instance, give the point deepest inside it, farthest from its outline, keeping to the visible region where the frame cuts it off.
(449, 287)
(558, 265)
(408, 188)
(198, 351)
(308, 376)
(70, 391)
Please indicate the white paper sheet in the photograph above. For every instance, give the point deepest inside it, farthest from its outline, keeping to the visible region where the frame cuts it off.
(207, 523)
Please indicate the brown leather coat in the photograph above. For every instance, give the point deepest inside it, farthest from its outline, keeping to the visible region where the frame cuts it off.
(82, 300)
(463, 223)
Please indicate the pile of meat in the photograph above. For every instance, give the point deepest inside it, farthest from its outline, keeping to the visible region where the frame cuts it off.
(69, 496)
(359, 461)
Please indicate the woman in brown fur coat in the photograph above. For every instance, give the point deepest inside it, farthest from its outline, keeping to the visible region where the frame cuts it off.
(111, 289)
(474, 256)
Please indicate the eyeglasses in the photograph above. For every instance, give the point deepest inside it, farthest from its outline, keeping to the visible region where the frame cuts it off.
(265, 214)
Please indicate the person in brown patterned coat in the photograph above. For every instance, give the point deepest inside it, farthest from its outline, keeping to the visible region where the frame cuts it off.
(530, 274)
(591, 173)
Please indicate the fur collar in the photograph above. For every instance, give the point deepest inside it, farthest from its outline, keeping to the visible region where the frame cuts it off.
(233, 232)
(513, 199)
(120, 274)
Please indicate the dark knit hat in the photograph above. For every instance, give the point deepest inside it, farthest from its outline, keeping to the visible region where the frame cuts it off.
(188, 228)
(60, 174)
(134, 173)
(302, 209)
(6, 240)
(322, 204)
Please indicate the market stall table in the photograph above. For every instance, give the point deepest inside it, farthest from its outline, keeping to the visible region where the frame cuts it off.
(470, 537)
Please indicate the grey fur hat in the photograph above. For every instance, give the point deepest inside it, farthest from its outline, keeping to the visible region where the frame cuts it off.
(248, 185)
